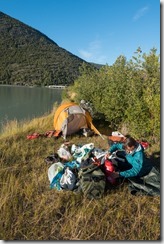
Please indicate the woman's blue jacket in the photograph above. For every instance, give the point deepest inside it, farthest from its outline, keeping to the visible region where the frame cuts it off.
(140, 164)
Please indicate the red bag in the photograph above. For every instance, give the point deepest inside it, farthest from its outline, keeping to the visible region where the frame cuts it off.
(145, 144)
(108, 168)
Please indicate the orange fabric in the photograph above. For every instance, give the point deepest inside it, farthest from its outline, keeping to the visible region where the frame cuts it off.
(56, 134)
(61, 115)
(90, 125)
(117, 138)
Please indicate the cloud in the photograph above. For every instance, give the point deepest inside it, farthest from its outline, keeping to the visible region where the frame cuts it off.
(93, 53)
(85, 54)
(141, 12)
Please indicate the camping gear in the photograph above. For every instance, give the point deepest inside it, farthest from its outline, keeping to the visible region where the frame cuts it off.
(92, 180)
(35, 135)
(63, 152)
(82, 152)
(145, 144)
(55, 173)
(117, 133)
(108, 168)
(146, 185)
(118, 155)
(54, 158)
(92, 172)
(63, 176)
(117, 137)
(68, 180)
(70, 117)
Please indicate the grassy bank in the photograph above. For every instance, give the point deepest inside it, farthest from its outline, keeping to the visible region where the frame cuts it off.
(30, 210)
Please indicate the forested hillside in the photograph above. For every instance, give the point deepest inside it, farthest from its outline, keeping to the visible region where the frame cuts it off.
(28, 57)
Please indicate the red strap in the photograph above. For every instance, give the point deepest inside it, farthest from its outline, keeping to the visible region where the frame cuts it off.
(50, 133)
(33, 136)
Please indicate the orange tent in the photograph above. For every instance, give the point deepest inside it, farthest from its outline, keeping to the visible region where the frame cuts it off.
(69, 118)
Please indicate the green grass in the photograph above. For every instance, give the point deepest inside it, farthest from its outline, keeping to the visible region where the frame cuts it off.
(30, 210)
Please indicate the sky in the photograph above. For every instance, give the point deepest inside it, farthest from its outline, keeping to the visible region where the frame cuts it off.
(97, 31)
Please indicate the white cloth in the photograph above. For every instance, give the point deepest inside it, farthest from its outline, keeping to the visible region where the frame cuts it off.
(68, 180)
(117, 133)
(54, 169)
(64, 153)
(81, 153)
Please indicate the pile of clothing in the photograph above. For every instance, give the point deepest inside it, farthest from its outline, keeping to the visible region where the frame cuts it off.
(82, 168)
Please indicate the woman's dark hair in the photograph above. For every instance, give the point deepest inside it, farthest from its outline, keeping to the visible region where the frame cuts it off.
(130, 142)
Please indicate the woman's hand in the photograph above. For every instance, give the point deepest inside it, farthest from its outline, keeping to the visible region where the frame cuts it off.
(107, 155)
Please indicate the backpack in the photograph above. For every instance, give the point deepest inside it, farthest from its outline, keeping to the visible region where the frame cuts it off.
(92, 181)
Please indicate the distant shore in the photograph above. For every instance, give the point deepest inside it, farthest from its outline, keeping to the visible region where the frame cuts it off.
(56, 86)
(34, 86)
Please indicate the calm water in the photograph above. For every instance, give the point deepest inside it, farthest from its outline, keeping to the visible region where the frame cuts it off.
(26, 103)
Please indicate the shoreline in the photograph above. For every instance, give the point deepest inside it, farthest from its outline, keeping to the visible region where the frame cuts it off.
(60, 87)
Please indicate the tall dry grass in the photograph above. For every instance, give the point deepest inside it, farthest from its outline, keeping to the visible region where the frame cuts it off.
(30, 210)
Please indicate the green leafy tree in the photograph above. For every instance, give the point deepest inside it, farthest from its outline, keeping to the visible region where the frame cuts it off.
(115, 93)
(143, 111)
(126, 94)
(151, 66)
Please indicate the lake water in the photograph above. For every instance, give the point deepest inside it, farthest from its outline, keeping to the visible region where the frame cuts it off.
(23, 103)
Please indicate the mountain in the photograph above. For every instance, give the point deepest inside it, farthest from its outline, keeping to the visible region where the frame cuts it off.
(28, 57)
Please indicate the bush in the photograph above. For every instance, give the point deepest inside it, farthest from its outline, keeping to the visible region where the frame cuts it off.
(124, 94)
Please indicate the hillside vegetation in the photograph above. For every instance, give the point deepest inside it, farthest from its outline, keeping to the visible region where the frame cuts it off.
(30, 210)
(126, 95)
(28, 57)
